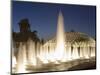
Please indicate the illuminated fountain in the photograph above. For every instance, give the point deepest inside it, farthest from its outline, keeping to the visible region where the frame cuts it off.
(21, 59)
(36, 55)
(14, 62)
(60, 41)
(31, 52)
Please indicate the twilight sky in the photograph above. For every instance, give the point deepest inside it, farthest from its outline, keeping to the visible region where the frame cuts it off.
(43, 17)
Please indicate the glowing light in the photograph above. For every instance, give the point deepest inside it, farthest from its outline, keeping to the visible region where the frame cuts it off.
(31, 53)
(75, 53)
(60, 38)
(37, 54)
(14, 61)
(21, 63)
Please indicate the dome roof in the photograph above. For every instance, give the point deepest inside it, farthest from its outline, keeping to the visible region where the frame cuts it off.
(75, 37)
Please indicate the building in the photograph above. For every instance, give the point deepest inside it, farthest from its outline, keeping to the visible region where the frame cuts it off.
(77, 45)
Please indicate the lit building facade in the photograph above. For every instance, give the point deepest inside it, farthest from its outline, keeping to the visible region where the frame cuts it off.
(77, 45)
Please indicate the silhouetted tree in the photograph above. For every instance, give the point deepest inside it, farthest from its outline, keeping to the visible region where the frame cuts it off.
(25, 32)
(24, 25)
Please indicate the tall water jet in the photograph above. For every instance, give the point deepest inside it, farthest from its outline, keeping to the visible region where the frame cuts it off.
(13, 56)
(21, 59)
(75, 53)
(31, 52)
(60, 49)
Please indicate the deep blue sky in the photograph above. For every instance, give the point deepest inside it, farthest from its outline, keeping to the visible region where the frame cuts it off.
(43, 17)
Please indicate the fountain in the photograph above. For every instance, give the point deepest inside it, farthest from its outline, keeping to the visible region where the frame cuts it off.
(31, 53)
(36, 55)
(60, 49)
(21, 61)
